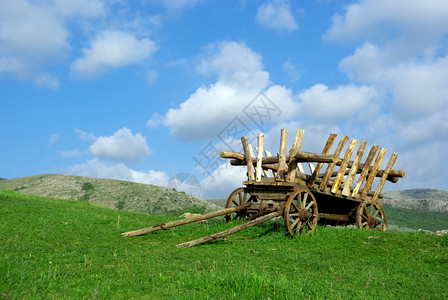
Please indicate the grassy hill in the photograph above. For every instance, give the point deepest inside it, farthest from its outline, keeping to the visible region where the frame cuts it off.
(113, 193)
(62, 249)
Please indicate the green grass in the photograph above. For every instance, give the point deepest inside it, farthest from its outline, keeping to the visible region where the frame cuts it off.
(416, 219)
(62, 249)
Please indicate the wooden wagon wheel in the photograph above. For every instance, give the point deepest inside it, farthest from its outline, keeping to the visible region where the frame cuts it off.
(370, 215)
(238, 197)
(301, 212)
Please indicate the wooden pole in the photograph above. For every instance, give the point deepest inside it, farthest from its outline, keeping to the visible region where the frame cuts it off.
(327, 148)
(224, 233)
(282, 156)
(259, 155)
(354, 169)
(186, 221)
(339, 177)
(247, 156)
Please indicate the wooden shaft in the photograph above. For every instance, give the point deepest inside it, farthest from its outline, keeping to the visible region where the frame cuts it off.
(186, 221)
(259, 155)
(247, 156)
(389, 166)
(365, 170)
(224, 233)
(331, 166)
(327, 148)
(340, 175)
(351, 176)
(282, 156)
(373, 172)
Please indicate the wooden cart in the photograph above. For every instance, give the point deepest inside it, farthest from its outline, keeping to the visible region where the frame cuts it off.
(279, 186)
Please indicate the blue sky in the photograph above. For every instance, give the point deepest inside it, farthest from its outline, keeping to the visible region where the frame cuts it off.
(144, 90)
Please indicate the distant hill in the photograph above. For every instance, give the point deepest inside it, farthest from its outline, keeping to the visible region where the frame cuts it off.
(112, 193)
(2, 178)
(418, 199)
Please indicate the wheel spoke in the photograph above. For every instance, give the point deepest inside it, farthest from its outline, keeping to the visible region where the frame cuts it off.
(293, 224)
(305, 197)
(236, 203)
(309, 205)
(299, 226)
(294, 214)
(296, 208)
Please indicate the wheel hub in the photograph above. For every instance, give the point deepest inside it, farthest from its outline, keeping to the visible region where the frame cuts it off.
(304, 215)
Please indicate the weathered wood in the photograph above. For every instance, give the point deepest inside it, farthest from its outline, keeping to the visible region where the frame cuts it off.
(365, 170)
(186, 221)
(389, 166)
(373, 171)
(354, 169)
(232, 154)
(247, 156)
(282, 156)
(331, 166)
(227, 232)
(334, 217)
(268, 154)
(326, 149)
(292, 165)
(259, 155)
(348, 154)
(265, 170)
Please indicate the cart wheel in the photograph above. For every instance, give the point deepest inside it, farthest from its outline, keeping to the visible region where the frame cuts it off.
(236, 198)
(301, 212)
(370, 215)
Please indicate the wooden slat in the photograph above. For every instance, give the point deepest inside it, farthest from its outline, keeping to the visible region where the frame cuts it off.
(259, 155)
(282, 156)
(365, 170)
(331, 166)
(373, 171)
(386, 171)
(247, 155)
(269, 154)
(343, 167)
(292, 165)
(265, 171)
(327, 148)
(312, 168)
(354, 169)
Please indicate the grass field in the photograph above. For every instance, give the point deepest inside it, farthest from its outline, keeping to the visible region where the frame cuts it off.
(61, 249)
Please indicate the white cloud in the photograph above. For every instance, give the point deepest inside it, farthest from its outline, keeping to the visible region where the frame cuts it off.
(331, 105)
(113, 49)
(84, 136)
(71, 153)
(177, 6)
(276, 14)
(82, 8)
(413, 26)
(151, 77)
(53, 139)
(123, 146)
(34, 35)
(31, 37)
(98, 169)
(291, 70)
(222, 181)
(240, 79)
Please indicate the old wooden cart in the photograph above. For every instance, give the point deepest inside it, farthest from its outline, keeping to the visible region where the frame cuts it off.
(279, 186)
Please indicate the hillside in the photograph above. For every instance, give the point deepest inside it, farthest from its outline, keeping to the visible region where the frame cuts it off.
(117, 194)
(418, 199)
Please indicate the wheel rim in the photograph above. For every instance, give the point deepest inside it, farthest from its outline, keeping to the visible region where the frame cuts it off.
(238, 197)
(301, 213)
(370, 215)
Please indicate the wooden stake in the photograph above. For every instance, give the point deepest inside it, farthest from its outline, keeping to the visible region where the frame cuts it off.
(250, 167)
(224, 233)
(331, 166)
(186, 221)
(348, 154)
(282, 156)
(259, 155)
(389, 166)
(365, 170)
(373, 172)
(327, 148)
(354, 169)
